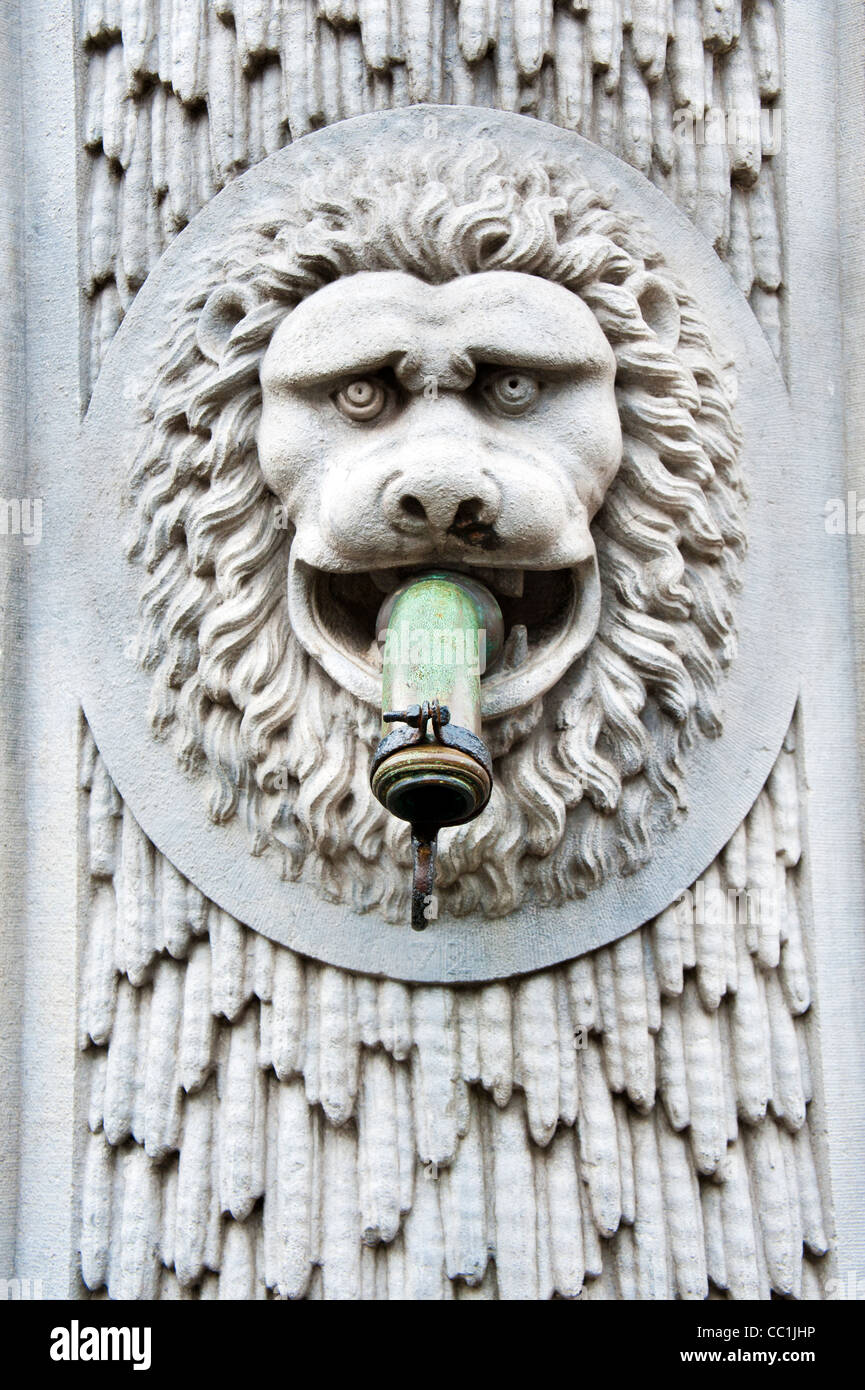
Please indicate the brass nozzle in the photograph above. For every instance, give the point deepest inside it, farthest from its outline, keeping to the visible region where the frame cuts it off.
(433, 784)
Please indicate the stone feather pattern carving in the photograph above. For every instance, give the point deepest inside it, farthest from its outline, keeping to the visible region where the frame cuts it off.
(180, 96)
(636, 1123)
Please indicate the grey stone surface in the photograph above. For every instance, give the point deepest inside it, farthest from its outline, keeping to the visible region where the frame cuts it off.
(128, 203)
(819, 47)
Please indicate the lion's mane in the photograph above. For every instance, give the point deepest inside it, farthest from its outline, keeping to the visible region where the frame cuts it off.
(272, 738)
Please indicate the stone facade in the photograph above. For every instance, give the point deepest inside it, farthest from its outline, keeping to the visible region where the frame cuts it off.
(670, 1106)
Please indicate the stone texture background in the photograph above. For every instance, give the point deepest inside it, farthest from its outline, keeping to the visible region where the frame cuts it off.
(634, 1124)
(180, 96)
(261, 1125)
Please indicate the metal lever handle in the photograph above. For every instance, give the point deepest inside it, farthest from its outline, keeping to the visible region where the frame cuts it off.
(424, 846)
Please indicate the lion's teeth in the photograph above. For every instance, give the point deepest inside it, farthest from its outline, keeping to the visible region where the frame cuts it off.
(508, 583)
(516, 648)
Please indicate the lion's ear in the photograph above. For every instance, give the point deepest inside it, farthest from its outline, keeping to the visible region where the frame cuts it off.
(221, 314)
(660, 309)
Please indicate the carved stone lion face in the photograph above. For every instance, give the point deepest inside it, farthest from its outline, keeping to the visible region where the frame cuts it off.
(448, 360)
(472, 423)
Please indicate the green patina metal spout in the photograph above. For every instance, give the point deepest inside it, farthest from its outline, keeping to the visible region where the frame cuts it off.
(432, 768)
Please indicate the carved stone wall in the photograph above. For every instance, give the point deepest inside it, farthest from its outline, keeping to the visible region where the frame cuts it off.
(634, 1124)
(637, 1123)
(180, 98)
(195, 1104)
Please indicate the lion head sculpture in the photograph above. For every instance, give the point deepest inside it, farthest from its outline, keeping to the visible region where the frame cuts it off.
(440, 356)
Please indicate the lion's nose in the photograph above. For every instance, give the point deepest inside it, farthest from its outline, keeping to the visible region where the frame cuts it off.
(442, 505)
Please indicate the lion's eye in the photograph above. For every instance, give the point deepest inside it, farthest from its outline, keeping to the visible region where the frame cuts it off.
(512, 393)
(363, 399)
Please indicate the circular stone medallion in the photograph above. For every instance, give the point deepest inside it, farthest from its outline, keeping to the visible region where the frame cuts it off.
(722, 776)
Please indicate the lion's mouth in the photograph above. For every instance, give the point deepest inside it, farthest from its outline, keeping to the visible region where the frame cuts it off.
(550, 616)
(533, 602)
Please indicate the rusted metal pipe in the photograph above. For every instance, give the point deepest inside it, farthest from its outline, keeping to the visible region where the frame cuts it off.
(431, 767)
